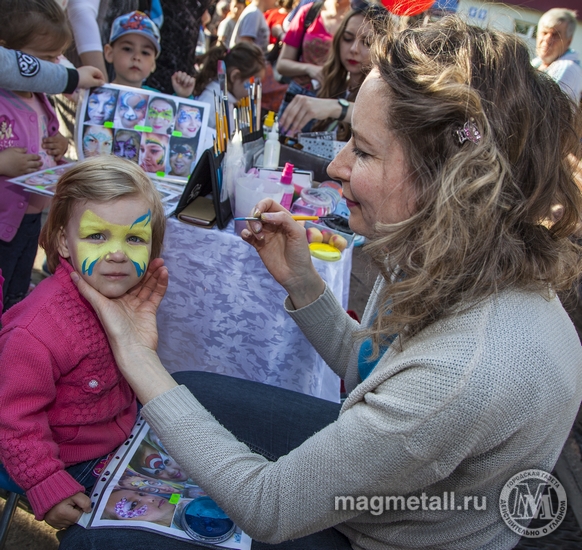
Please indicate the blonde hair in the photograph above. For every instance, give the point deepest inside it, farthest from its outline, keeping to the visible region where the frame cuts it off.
(478, 224)
(100, 179)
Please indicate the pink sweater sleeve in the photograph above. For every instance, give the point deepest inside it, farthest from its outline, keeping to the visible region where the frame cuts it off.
(27, 449)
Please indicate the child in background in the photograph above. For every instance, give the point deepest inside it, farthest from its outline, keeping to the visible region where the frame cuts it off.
(228, 24)
(106, 222)
(134, 45)
(243, 61)
(29, 139)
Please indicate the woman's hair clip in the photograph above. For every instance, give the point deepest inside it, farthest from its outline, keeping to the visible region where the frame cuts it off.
(469, 132)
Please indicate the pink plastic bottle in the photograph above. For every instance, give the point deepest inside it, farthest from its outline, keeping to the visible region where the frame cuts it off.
(287, 182)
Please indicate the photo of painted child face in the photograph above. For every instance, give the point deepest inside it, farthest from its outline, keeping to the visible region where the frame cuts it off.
(125, 504)
(152, 156)
(182, 155)
(101, 105)
(188, 120)
(146, 484)
(131, 110)
(97, 140)
(126, 144)
(161, 114)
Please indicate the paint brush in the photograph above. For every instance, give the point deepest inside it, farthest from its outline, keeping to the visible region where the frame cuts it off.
(298, 218)
(222, 80)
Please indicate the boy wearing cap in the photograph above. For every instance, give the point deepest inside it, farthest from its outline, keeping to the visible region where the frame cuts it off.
(134, 45)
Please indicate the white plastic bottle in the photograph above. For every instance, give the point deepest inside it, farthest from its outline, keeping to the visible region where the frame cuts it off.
(272, 149)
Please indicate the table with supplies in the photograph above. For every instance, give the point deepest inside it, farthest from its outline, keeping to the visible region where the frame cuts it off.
(223, 312)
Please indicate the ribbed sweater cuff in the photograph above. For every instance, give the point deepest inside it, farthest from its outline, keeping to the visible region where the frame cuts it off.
(316, 312)
(51, 491)
(170, 406)
(72, 81)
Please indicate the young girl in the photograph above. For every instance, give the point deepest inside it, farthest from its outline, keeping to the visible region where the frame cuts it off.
(106, 222)
(243, 61)
(29, 139)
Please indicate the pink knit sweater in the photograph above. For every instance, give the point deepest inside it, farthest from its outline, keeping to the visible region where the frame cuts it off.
(62, 397)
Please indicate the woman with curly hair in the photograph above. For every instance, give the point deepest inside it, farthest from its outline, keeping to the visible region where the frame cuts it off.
(465, 370)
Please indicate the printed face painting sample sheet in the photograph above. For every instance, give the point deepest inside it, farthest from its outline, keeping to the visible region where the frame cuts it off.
(164, 134)
(44, 182)
(142, 487)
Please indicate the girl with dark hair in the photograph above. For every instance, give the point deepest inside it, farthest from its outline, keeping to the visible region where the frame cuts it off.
(242, 61)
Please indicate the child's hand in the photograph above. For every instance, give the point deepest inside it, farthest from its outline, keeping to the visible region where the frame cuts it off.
(183, 84)
(15, 161)
(90, 77)
(67, 512)
(56, 146)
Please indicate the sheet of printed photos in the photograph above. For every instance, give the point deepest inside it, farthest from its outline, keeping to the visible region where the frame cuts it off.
(164, 134)
(44, 182)
(144, 488)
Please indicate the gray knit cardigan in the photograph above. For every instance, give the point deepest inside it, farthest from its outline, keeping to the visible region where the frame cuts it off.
(470, 401)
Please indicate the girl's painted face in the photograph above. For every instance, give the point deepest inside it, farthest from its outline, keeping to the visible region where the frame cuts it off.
(160, 116)
(132, 109)
(109, 243)
(159, 465)
(146, 485)
(101, 106)
(355, 48)
(181, 159)
(126, 145)
(188, 120)
(153, 152)
(125, 504)
(97, 141)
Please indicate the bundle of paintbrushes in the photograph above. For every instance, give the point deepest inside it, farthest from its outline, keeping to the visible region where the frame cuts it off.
(223, 130)
(248, 112)
(246, 116)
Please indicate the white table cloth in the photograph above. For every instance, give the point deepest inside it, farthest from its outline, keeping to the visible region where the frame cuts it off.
(223, 313)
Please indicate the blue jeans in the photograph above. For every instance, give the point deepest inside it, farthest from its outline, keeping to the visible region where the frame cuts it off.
(82, 472)
(271, 421)
(17, 259)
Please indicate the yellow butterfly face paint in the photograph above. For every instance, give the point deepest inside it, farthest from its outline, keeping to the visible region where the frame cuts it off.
(100, 239)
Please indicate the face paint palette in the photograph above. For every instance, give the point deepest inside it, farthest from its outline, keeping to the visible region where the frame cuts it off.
(204, 521)
(164, 134)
